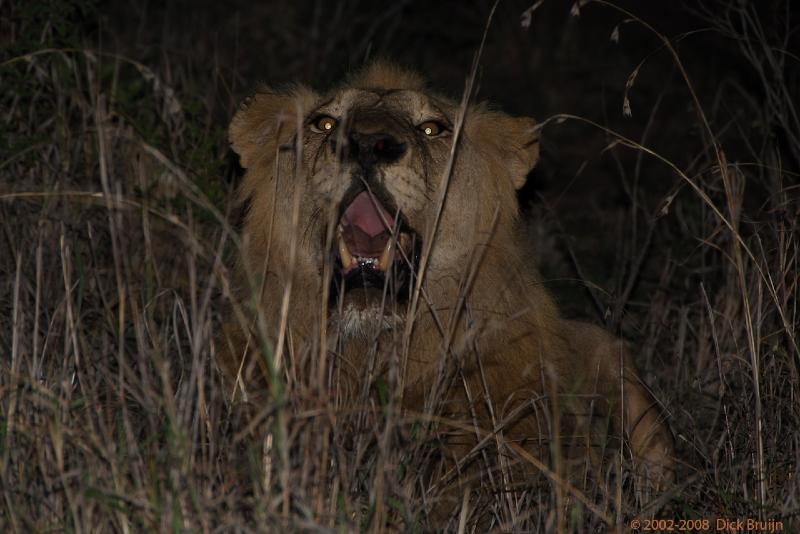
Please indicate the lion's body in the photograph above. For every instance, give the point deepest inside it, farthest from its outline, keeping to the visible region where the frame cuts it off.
(483, 317)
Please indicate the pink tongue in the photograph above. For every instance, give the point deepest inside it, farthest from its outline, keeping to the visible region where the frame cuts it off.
(364, 225)
(368, 215)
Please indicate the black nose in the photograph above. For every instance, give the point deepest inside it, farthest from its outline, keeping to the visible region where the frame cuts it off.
(374, 148)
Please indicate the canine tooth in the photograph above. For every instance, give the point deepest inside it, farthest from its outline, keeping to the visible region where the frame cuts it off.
(405, 242)
(344, 252)
(387, 256)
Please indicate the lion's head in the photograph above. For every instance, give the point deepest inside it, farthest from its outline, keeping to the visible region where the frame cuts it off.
(343, 187)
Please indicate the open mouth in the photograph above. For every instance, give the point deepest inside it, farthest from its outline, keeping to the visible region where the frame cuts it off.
(374, 251)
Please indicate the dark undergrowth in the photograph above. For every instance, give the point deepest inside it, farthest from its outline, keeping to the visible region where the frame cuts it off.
(666, 207)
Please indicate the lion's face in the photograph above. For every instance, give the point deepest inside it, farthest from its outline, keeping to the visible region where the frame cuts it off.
(374, 159)
(367, 161)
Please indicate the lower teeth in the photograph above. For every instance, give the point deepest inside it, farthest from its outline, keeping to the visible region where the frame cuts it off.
(382, 263)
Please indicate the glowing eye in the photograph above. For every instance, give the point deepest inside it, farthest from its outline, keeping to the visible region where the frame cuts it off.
(325, 124)
(431, 128)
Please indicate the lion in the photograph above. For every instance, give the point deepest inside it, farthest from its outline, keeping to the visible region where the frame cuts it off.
(382, 232)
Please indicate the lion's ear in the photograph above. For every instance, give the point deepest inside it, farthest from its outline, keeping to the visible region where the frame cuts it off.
(263, 120)
(522, 145)
(514, 140)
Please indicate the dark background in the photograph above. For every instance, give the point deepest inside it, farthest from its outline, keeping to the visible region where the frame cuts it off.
(686, 244)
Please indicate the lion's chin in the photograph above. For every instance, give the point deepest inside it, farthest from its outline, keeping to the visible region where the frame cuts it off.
(359, 320)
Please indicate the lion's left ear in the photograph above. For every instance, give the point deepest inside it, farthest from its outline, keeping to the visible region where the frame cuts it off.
(267, 119)
(256, 126)
(515, 139)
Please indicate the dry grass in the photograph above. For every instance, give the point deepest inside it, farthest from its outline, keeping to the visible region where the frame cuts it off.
(114, 271)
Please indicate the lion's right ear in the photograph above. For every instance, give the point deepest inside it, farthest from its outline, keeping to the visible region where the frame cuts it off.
(514, 139)
(521, 140)
(265, 120)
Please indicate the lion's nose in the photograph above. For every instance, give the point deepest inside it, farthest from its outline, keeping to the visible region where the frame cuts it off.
(374, 148)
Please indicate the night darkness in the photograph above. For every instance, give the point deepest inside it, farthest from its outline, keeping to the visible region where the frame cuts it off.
(664, 207)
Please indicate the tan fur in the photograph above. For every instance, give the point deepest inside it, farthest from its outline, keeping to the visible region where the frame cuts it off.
(501, 329)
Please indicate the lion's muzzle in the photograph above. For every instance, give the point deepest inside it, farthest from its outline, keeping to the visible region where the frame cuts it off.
(374, 250)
